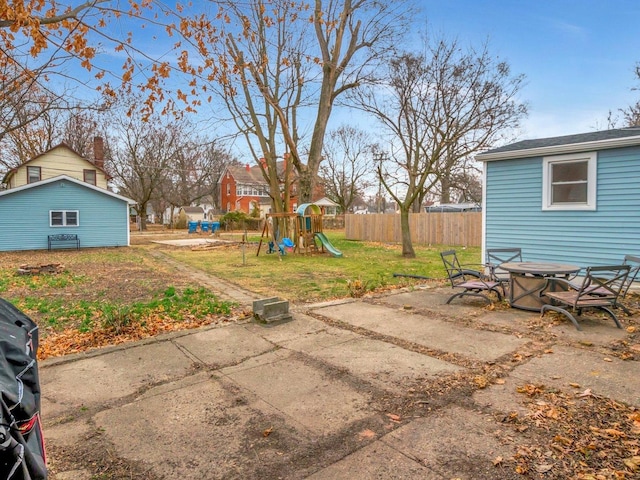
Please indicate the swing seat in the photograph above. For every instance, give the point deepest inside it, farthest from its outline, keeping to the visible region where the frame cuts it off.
(287, 242)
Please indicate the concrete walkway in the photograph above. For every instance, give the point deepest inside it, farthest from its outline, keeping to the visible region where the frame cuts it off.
(384, 387)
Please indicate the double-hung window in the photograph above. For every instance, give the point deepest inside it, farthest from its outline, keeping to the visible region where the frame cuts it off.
(33, 174)
(89, 176)
(64, 218)
(569, 182)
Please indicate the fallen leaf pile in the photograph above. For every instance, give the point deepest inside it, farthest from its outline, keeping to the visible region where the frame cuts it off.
(72, 340)
(581, 436)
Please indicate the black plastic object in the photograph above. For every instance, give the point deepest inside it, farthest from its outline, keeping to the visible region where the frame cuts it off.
(22, 454)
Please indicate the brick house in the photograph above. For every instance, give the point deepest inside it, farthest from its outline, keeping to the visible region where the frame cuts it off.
(243, 188)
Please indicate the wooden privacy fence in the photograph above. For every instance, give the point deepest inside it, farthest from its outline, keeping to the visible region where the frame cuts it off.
(442, 228)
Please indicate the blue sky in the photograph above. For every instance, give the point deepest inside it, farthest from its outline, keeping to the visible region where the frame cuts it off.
(578, 55)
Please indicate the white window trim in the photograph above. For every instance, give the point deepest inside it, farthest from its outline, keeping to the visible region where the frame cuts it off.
(64, 218)
(592, 180)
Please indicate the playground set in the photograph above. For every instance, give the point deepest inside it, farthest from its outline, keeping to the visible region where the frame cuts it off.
(298, 232)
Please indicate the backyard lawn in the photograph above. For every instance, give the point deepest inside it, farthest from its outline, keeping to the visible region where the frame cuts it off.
(364, 267)
(103, 297)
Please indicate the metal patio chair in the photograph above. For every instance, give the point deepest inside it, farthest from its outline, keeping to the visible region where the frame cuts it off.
(497, 256)
(473, 282)
(634, 269)
(600, 289)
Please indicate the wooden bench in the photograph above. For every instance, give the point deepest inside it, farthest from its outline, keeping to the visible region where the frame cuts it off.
(64, 239)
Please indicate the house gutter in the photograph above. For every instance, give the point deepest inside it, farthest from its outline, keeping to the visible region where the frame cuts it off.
(559, 149)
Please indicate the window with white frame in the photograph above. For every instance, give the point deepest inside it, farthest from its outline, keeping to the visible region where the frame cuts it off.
(64, 218)
(569, 182)
(33, 174)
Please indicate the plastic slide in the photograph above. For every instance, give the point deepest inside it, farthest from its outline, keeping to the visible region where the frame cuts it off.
(327, 245)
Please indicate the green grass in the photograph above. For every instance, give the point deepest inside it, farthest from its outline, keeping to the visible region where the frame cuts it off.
(85, 315)
(364, 267)
(10, 279)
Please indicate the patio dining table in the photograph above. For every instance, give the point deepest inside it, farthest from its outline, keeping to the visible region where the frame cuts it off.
(527, 279)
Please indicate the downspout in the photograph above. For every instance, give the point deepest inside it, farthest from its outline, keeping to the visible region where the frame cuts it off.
(484, 212)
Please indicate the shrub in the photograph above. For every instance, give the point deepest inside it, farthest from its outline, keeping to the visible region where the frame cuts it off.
(239, 221)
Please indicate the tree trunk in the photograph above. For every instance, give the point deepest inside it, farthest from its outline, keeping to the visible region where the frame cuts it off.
(445, 186)
(407, 246)
(305, 186)
(416, 206)
(141, 210)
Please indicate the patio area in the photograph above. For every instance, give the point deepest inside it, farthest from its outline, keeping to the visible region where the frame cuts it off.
(399, 385)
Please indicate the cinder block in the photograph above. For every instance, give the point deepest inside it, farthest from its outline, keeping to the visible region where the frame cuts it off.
(271, 310)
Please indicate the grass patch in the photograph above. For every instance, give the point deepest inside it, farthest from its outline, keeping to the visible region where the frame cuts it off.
(9, 279)
(85, 315)
(365, 267)
(80, 325)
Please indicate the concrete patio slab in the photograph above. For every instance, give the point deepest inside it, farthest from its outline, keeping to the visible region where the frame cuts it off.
(438, 443)
(376, 461)
(424, 330)
(435, 299)
(380, 363)
(599, 331)
(604, 375)
(306, 394)
(209, 430)
(221, 347)
(301, 326)
(99, 379)
(319, 340)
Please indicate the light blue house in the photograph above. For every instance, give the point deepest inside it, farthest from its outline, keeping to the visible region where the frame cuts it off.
(62, 205)
(572, 199)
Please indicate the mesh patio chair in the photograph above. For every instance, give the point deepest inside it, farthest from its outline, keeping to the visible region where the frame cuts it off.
(473, 282)
(600, 289)
(498, 256)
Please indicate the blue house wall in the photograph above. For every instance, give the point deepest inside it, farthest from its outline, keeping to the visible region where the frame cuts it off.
(24, 216)
(514, 215)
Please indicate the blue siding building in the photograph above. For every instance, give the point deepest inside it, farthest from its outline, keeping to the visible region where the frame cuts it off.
(28, 214)
(572, 199)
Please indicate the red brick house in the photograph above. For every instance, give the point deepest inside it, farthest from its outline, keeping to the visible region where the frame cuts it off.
(243, 188)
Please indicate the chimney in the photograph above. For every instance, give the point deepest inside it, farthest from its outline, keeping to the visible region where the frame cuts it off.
(248, 167)
(98, 152)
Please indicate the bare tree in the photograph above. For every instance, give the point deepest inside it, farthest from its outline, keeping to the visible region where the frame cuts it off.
(143, 153)
(282, 64)
(464, 185)
(265, 62)
(439, 107)
(29, 115)
(631, 114)
(41, 129)
(193, 175)
(80, 129)
(348, 165)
